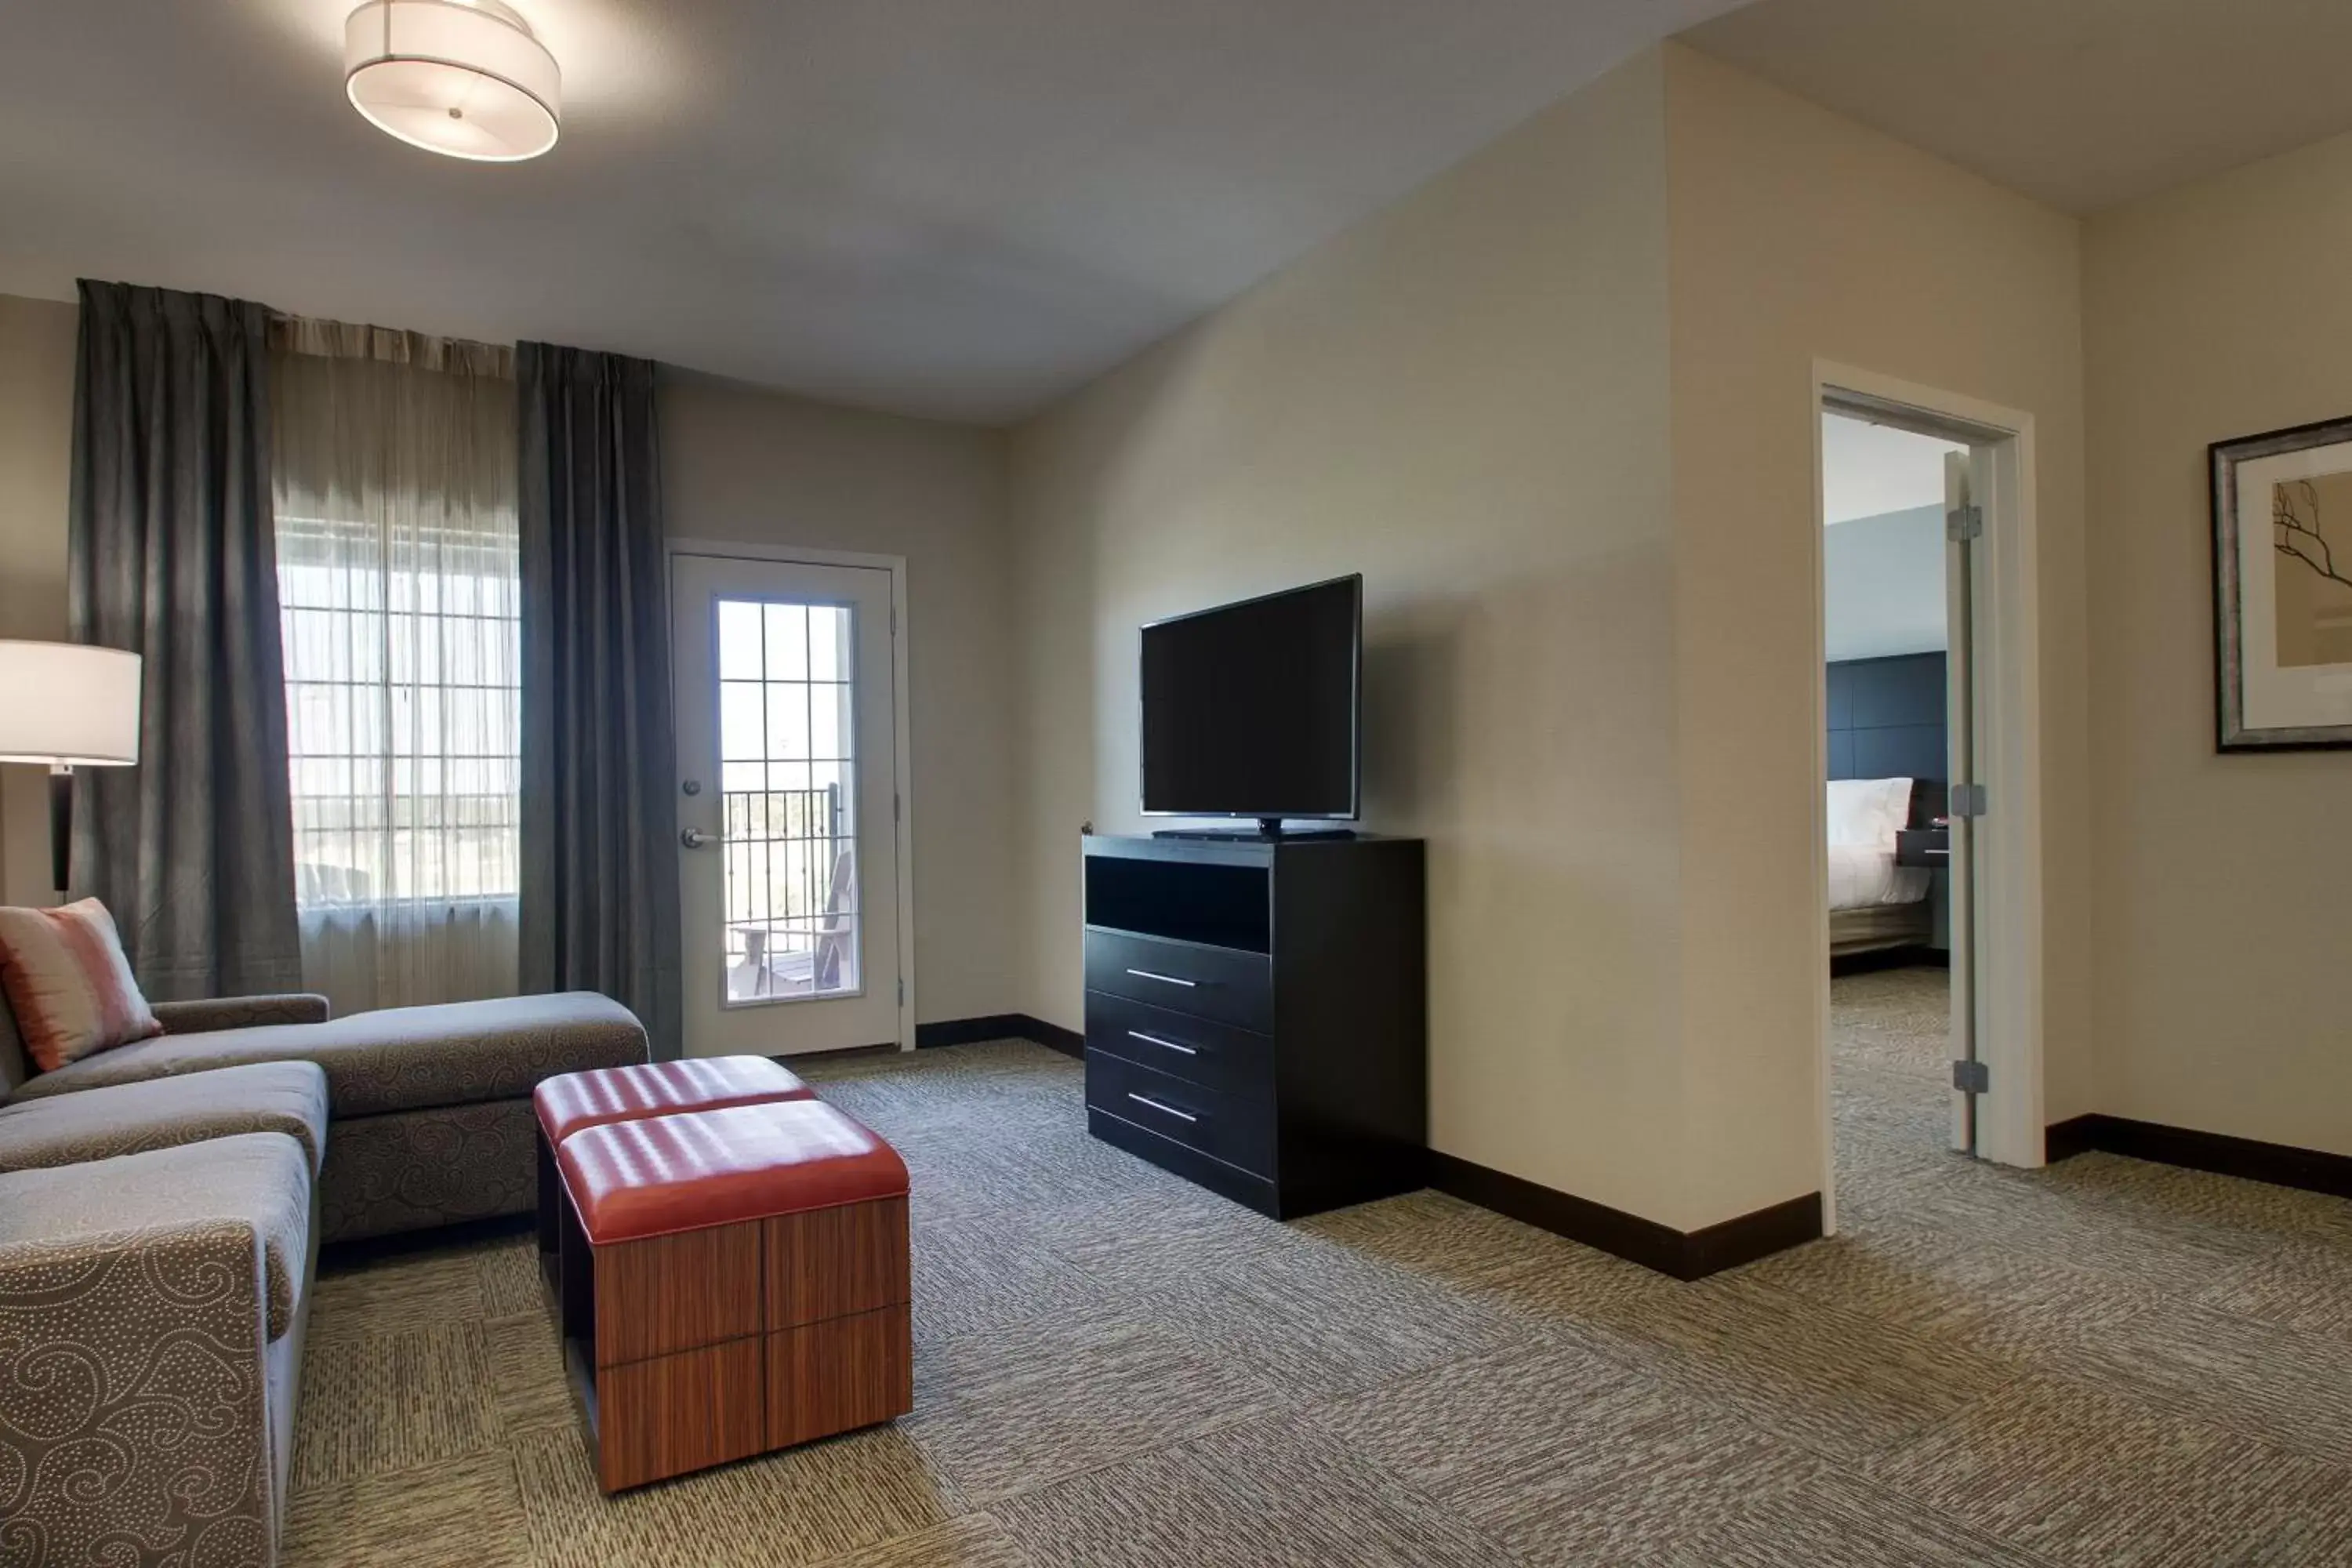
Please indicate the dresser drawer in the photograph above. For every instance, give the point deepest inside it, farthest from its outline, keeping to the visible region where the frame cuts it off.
(1215, 1056)
(1236, 1128)
(1219, 983)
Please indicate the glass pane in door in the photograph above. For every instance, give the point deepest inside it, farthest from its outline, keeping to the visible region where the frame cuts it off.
(787, 758)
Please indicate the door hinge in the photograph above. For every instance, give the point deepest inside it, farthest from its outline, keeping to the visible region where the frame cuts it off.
(1972, 1078)
(902, 991)
(1965, 800)
(1964, 523)
(894, 619)
(896, 807)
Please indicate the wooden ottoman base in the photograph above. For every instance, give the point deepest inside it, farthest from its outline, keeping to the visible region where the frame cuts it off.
(839, 1376)
(709, 1345)
(673, 1414)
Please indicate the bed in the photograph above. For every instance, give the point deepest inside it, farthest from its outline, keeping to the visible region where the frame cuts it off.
(1874, 902)
(1887, 761)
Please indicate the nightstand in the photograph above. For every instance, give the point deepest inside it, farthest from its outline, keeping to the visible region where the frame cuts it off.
(1929, 847)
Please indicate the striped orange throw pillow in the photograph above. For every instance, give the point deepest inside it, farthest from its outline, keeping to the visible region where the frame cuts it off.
(68, 984)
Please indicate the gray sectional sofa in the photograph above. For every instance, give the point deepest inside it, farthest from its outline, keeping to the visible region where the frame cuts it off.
(161, 1208)
(430, 1107)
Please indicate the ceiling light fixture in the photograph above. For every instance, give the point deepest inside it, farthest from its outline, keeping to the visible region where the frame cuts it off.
(462, 77)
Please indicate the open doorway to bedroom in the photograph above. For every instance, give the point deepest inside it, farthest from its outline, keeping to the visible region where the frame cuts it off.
(1930, 731)
(1895, 669)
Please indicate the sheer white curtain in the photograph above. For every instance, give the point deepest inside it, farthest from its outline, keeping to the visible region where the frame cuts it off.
(394, 484)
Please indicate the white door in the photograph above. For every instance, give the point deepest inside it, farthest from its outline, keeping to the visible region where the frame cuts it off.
(1959, 730)
(787, 780)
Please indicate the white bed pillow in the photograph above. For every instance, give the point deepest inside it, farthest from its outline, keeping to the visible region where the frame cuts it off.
(1868, 811)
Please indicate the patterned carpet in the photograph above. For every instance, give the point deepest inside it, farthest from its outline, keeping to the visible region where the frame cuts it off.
(2106, 1362)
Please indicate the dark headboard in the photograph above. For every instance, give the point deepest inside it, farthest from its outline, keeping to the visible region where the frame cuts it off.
(1886, 720)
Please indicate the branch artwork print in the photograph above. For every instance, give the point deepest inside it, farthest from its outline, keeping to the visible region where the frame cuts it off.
(2282, 587)
(2294, 514)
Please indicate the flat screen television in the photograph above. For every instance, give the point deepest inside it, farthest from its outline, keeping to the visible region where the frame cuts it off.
(1254, 708)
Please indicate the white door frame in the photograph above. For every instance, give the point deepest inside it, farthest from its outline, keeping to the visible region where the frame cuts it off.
(2006, 952)
(902, 785)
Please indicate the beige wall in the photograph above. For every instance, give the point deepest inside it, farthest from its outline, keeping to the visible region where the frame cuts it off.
(2217, 310)
(1800, 235)
(36, 375)
(1464, 398)
(1556, 407)
(740, 464)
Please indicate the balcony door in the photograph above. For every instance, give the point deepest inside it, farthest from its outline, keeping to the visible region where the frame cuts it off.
(787, 804)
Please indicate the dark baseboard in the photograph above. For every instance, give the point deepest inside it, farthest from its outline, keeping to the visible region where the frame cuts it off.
(1681, 1255)
(1052, 1036)
(2076, 1135)
(2280, 1165)
(970, 1031)
(1630, 1237)
(796, 1060)
(999, 1026)
(1752, 1236)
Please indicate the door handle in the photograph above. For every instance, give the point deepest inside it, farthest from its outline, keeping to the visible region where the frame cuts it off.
(1156, 1040)
(1164, 979)
(694, 838)
(1147, 1099)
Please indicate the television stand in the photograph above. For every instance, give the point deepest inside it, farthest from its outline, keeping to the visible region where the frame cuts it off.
(1254, 1014)
(1269, 829)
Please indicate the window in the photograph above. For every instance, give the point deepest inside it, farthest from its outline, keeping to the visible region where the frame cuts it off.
(786, 701)
(400, 602)
(403, 717)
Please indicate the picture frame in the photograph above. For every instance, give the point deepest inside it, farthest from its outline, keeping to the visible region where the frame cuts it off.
(2281, 506)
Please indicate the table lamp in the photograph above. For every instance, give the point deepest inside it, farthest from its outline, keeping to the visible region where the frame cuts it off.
(68, 705)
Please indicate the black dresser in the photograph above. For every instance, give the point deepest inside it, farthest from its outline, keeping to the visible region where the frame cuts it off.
(1255, 1013)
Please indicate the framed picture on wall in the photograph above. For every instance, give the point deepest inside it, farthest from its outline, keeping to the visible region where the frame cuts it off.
(2282, 587)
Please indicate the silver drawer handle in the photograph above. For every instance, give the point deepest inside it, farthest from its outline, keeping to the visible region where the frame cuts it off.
(1164, 979)
(1179, 1115)
(1156, 1040)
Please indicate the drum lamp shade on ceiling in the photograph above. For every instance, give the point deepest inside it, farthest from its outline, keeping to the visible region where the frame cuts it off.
(463, 77)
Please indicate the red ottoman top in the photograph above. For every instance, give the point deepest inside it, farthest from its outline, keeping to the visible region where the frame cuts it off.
(578, 1100)
(631, 1180)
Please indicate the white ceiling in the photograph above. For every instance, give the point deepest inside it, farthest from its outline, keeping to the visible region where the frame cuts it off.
(2082, 103)
(939, 207)
(1868, 470)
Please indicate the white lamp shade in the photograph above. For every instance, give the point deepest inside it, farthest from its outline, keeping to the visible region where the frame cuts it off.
(68, 703)
(463, 78)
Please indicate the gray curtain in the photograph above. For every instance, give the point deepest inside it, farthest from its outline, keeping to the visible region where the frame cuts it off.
(599, 906)
(172, 557)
